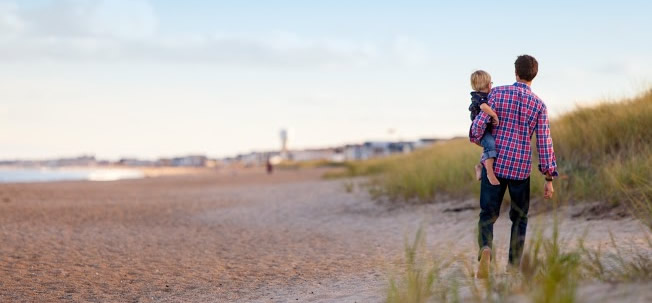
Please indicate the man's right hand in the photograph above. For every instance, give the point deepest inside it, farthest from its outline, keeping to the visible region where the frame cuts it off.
(548, 190)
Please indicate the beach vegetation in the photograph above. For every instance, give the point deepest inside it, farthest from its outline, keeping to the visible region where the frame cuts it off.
(551, 271)
(604, 153)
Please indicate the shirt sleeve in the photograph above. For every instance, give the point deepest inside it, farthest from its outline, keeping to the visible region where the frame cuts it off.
(479, 124)
(547, 159)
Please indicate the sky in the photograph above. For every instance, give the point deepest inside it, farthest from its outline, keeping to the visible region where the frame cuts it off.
(148, 79)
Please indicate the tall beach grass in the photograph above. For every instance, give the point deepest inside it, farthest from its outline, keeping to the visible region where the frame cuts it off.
(551, 271)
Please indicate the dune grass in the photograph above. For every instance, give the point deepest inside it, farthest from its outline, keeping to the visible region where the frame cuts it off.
(604, 153)
(551, 272)
(420, 280)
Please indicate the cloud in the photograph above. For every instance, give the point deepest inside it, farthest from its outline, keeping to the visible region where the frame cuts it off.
(410, 51)
(10, 22)
(73, 29)
(119, 19)
(127, 30)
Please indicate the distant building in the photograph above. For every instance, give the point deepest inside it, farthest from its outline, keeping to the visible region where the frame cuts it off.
(377, 149)
(190, 161)
(353, 152)
(163, 162)
(135, 162)
(373, 149)
(401, 147)
(350, 152)
(78, 161)
(254, 158)
(313, 154)
(423, 142)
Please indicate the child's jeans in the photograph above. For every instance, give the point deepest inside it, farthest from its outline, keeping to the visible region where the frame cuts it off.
(489, 144)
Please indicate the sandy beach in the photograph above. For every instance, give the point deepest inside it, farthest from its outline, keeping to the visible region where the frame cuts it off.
(239, 236)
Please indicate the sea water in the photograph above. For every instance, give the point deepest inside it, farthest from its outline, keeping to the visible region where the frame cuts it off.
(28, 175)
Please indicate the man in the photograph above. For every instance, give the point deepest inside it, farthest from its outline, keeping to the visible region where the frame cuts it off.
(521, 114)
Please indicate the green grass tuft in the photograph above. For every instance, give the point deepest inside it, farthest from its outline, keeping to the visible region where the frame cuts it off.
(420, 278)
(550, 272)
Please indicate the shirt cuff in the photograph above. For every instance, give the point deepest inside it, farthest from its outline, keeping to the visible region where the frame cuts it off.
(548, 170)
(473, 138)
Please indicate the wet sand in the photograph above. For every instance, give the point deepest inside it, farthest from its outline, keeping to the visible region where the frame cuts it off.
(227, 237)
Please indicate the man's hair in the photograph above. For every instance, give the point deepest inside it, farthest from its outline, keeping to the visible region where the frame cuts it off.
(526, 67)
(480, 80)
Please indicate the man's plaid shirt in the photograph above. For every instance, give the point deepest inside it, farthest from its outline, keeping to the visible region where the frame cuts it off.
(521, 113)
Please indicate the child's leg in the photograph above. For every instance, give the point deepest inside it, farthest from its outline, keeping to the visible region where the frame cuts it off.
(490, 154)
(489, 164)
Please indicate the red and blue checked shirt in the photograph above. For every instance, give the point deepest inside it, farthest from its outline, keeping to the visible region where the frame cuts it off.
(521, 113)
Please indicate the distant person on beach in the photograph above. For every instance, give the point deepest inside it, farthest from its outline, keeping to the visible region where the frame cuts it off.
(269, 166)
(481, 84)
(521, 114)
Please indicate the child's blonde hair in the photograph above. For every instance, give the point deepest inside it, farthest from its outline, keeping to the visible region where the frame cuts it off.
(480, 80)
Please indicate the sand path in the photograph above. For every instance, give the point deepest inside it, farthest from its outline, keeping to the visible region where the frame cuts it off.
(244, 237)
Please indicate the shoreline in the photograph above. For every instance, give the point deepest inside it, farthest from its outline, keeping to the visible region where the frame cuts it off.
(94, 173)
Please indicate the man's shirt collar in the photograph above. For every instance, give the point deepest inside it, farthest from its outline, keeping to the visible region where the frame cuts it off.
(522, 85)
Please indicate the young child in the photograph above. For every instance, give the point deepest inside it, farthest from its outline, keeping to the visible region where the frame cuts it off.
(481, 84)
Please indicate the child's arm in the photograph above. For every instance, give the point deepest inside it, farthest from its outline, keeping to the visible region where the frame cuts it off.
(487, 109)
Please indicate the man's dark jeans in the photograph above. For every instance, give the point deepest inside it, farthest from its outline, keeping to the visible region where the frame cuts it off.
(491, 196)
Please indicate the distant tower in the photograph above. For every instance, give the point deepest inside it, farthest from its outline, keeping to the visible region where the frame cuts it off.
(284, 143)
